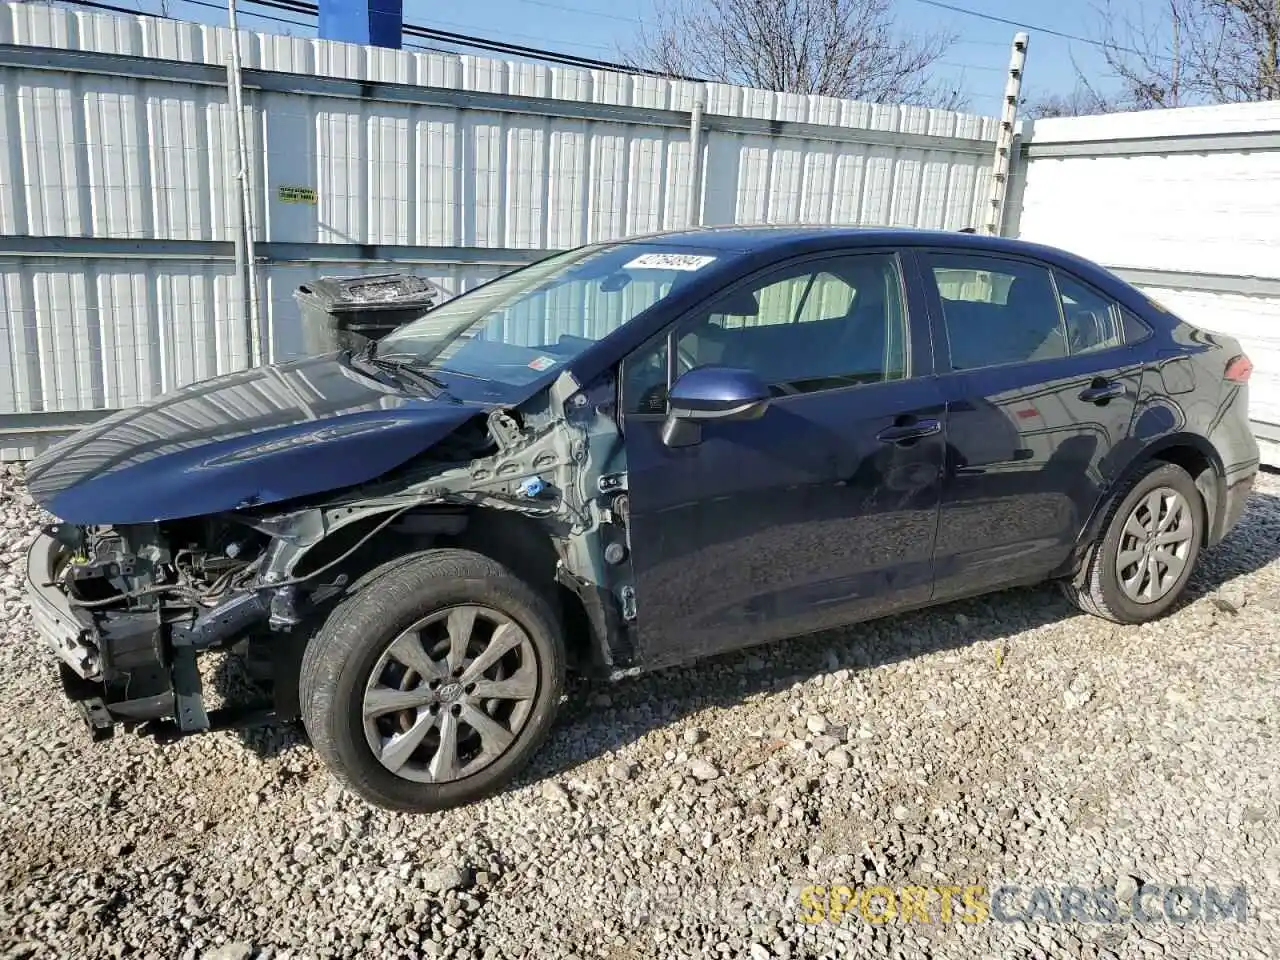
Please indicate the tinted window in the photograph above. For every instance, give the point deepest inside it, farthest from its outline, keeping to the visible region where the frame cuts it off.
(829, 323)
(1092, 320)
(823, 324)
(1135, 331)
(821, 295)
(997, 311)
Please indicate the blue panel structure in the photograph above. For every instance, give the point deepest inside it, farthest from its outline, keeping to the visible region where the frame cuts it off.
(374, 22)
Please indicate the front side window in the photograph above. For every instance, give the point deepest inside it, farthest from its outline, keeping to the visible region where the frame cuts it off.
(997, 311)
(816, 325)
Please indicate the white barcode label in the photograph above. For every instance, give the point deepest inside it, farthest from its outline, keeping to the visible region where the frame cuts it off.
(668, 261)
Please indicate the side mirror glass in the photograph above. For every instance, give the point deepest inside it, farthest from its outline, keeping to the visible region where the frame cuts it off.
(711, 393)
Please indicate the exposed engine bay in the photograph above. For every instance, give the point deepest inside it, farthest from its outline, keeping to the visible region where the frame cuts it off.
(129, 607)
(193, 563)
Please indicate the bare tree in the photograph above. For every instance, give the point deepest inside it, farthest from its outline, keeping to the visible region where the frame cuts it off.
(1082, 101)
(839, 48)
(1195, 51)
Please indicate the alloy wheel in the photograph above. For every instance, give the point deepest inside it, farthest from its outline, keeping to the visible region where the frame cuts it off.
(449, 695)
(1155, 545)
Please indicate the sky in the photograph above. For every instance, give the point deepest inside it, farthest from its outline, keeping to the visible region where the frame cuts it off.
(602, 29)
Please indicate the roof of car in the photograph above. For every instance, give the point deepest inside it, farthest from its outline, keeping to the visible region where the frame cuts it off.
(755, 239)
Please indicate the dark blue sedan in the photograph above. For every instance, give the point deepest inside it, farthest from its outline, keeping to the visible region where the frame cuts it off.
(627, 456)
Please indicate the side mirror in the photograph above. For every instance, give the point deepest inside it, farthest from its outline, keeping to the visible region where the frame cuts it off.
(711, 393)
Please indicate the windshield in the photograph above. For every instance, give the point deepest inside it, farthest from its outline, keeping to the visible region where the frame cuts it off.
(529, 323)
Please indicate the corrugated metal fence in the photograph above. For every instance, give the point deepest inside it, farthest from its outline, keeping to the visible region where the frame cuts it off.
(117, 186)
(1183, 203)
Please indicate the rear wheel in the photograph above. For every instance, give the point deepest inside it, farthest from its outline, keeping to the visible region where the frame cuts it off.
(434, 682)
(1150, 543)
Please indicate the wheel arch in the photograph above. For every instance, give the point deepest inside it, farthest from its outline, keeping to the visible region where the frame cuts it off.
(1192, 453)
(1201, 461)
(523, 544)
(526, 547)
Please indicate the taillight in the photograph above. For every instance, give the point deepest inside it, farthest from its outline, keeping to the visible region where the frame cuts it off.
(1238, 369)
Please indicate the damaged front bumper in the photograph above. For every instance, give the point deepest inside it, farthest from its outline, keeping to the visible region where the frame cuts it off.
(131, 667)
(80, 647)
(52, 615)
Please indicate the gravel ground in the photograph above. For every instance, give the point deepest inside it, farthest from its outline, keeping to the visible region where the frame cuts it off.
(1008, 742)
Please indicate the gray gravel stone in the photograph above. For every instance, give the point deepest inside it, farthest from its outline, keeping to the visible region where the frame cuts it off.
(555, 792)
(622, 770)
(230, 951)
(703, 769)
(1126, 887)
(824, 744)
(839, 759)
(445, 878)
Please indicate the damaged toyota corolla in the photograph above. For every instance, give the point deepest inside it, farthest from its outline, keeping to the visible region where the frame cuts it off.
(623, 457)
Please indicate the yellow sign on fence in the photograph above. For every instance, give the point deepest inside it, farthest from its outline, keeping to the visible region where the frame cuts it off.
(296, 195)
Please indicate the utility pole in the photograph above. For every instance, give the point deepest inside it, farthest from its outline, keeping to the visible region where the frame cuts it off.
(1004, 136)
(246, 256)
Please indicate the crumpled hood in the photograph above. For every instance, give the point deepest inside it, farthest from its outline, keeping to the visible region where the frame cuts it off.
(255, 437)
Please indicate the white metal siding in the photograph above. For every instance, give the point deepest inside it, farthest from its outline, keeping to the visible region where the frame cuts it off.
(86, 334)
(114, 156)
(1205, 213)
(83, 155)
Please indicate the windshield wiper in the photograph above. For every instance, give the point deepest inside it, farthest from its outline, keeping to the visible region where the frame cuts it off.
(401, 366)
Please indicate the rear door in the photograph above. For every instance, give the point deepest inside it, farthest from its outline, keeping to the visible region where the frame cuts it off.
(1040, 382)
(820, 512)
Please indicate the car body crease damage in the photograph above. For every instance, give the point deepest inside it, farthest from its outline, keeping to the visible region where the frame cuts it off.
(585, 518)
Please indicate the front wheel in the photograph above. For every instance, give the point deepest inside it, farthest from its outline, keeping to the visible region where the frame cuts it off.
(1149, 546)
(434, 682)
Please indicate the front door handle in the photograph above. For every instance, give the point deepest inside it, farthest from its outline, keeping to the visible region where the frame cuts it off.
(1102, 390)
(906, 432)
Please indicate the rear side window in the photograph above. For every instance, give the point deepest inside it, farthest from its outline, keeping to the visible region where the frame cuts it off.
(997, 311)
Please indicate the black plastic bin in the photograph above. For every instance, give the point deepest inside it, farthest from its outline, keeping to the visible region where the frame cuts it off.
(345, 313)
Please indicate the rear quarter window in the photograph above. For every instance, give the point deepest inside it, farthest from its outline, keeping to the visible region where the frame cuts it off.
(1135, 330)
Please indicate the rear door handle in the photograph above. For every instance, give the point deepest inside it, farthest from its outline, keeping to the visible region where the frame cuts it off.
(1102, 391)
(905, 432)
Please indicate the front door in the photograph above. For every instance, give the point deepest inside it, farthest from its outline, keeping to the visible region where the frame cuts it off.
(820, 512)
(1041, 391)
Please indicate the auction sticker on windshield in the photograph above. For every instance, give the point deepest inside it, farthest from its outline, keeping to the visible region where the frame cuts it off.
(668, 261)
(541, 363)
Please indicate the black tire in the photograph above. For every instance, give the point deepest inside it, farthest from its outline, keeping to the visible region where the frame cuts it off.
(340, 658)
(1097, 589)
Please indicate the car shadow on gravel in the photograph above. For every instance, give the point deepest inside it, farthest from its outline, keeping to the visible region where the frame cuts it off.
(601, 717)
